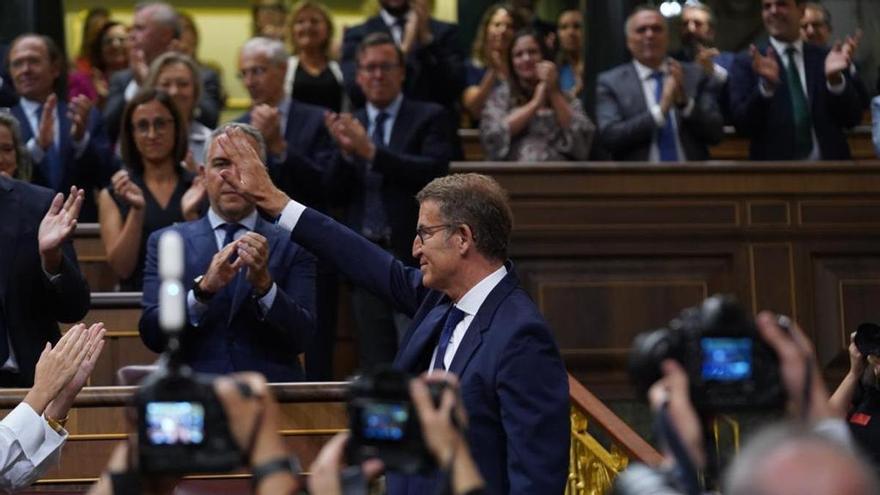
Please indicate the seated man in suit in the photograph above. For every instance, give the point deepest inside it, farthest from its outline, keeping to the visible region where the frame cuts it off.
(469, 316)
(66, 141)
(40, 281)
(655, 108)
(794, 99)
(390, 150)
(299, 149)
(433, 53)
(156, 29)
(251, 302)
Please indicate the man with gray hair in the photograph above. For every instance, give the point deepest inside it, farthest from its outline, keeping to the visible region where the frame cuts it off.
(250, 303)
(156, 29)
(299, 148)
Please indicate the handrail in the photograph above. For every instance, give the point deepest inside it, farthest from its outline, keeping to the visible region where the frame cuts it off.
(109, 300)
(119, 396)
(632, 444)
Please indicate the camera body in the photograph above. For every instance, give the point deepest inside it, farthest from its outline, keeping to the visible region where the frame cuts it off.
(384, 423)
(729, 366)
(182, 427)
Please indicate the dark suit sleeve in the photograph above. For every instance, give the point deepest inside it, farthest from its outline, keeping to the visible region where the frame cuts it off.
(351, 38)
(748, 108)
(292, 314)
(618, 132)
(363, 262)
(96, 163)
(115, 104)
(438, 68)
(151, 334)
(211, 99)
(431, 160)
(533, 396)
(847, 108)
(68, 295)
(706, 122)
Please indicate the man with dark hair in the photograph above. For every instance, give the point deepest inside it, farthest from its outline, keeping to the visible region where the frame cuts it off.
(251, 302)
(656, 108)
(816, 24)
(698, 42)
(156, 29)
(390, 150)
(469, 317)
(66, 140)
(794, 99)
(434, 57)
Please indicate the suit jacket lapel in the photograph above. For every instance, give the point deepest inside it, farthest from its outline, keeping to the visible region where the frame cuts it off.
(24, 123)
(401, 128)
(423, 337)
(65, 144)
(631, 84)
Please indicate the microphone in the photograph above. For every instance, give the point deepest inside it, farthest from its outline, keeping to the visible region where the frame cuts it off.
(172, 298)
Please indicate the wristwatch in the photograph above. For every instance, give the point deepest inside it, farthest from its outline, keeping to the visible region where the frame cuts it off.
(200, 294)
(288, 464)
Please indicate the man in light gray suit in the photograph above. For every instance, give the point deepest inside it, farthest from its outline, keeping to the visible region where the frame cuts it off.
(655, 108)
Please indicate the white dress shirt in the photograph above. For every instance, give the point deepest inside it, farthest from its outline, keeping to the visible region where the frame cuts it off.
(31, 108)
(28, 448)
(649, 87)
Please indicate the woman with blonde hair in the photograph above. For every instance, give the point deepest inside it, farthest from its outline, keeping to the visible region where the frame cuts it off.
(312, 74)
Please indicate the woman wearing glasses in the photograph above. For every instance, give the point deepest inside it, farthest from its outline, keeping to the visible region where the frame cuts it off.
(153, 191)
(107, 53)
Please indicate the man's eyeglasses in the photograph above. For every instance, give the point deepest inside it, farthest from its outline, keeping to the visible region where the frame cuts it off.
(256, 71)
(158, 125)
(426, 232)
(384, 68)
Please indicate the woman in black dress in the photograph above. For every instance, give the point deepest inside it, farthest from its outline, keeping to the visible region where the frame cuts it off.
(152, 191)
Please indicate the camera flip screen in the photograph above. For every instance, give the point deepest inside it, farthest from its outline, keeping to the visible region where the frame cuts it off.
(384, 421)
(726, 359)
(175, 423)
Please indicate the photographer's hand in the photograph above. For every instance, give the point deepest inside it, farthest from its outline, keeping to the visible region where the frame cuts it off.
(807, 395)
(673, 392)
(841, 399)
(324, 478)
(442, 436)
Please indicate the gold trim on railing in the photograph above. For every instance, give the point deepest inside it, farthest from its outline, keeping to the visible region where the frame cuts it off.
(592, 467)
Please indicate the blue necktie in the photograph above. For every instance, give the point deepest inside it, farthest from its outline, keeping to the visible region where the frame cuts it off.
(230, 229)
(51, 164)
(375, 225)
(665, 135)
(453, 318)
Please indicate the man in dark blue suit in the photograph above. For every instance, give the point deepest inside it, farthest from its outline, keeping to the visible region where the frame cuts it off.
(40, 281)
(299, 149)
(251, 302)
(390, 150)
(66, 141)
(794, 99)
(469, 316)
(434, 57)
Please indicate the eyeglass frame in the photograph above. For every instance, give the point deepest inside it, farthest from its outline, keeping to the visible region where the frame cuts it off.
(384, 67)
(431, 230)
(159, 125)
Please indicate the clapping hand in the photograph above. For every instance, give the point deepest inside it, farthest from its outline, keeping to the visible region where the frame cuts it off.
(78, 112)
(765, 66)
(253, 251)
(57, 366)
(57, 226)
(837, 61)
(706, 58)
(350, 135)
(126, 190)
(46, 131)
(191, 201)
(268, 121)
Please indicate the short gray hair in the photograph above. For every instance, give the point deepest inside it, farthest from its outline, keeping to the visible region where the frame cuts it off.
(637, 10)
(164, 15)
(272, 48)
(247, 129)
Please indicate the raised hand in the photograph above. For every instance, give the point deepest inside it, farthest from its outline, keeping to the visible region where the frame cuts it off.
(676, 74)
(61, 404)
(46, 131)
(126, 190)
(548, 74)
(837, 61)
(268, 121)
(57, 226)
(252, 179)
(672, 391)
(706, 58)
(222, 269)
(765, 66)
(851, 43)
(189, 162)
(78, 112)
(57, 366)
(191, 201)
(253, 251)
(137, 61)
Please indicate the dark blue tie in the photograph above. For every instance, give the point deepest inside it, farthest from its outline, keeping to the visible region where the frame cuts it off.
(51, 164)
(375, 225)
(665, 135)
(453, 318)
(230, 229)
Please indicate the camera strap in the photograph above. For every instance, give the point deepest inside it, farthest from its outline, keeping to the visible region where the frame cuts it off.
(352, 480)
(684, 472)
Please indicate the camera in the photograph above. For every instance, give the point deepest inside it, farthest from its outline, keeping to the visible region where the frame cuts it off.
(384, 423)
(867, 339)
(182, 426)
(729, 366)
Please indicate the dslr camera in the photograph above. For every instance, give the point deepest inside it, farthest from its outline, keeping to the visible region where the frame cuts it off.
(384, 423)
(728, 364)
(182, 426)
